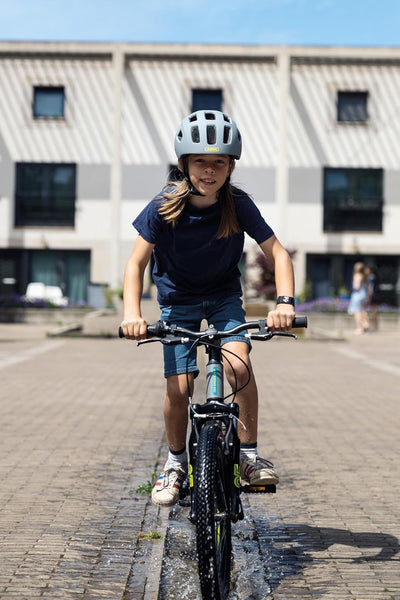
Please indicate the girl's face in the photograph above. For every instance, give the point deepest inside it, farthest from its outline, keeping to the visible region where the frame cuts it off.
(208, 173)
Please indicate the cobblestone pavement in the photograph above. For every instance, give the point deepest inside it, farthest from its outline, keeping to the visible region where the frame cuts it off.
(81, 429)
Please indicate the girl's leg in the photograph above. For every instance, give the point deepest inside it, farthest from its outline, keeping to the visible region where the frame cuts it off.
(167, 487)
(253, 469)
(358, 318)
(247, 398)
(365, 320)
(176, 410)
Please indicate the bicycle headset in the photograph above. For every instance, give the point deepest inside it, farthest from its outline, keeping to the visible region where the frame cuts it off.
(207, 132)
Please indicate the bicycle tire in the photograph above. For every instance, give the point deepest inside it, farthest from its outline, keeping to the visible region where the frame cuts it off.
(212, 509)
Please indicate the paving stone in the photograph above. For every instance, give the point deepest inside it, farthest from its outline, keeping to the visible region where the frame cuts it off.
(82, 429)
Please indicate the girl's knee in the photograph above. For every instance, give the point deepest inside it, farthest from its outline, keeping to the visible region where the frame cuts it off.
(177, 391)
(239, 371)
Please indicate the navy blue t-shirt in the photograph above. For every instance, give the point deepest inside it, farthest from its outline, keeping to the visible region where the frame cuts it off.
(191, 264)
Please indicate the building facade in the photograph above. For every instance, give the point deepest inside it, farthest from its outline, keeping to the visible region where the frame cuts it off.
(86, 140)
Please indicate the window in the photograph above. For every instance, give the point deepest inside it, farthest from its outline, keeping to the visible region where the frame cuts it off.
(352, 107)
(353, 199)
(48, 102)
(67, 269)
(206, 99)
(45, 194)
(332, 274)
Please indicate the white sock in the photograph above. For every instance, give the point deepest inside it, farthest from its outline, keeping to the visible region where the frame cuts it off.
(248, 451)
(177, 459)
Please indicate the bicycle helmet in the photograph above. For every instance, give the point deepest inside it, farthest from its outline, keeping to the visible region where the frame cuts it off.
(208, 132)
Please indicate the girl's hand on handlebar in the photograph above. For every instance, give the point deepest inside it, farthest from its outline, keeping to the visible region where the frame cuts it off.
(280, 319)
(134, 329)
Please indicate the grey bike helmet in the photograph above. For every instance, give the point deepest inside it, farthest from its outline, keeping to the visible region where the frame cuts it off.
(208, 132)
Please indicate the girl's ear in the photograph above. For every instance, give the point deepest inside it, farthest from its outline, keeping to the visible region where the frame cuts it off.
(232, 167)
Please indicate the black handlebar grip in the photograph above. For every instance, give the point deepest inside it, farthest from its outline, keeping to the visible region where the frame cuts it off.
(299, 322)
(155, 330)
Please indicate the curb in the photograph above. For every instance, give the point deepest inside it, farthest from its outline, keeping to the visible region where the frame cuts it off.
(155, 564)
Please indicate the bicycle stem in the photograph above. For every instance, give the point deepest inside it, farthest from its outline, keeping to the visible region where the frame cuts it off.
(214, 375)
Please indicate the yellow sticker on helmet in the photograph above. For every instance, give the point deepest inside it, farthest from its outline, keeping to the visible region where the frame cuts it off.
(211, 149)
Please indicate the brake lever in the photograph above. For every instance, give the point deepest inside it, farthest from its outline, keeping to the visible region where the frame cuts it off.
(284, 334)
(149, 341)
(267, 335)
(259, 336)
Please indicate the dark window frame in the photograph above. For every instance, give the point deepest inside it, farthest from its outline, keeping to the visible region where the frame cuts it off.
(48, 89)
(352, 106)
(201, 98)
(50, 204)
(357, 206)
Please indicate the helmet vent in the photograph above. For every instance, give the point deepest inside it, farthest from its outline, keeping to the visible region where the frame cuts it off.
(209, 116)
(227, 134)
(211, 135)
(195, 134)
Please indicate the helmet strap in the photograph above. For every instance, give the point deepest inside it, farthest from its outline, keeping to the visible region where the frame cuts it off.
(192, 189)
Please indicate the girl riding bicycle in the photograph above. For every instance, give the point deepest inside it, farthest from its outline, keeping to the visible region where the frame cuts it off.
(195, 231)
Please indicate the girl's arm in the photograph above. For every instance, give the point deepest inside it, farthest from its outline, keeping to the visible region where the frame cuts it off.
(357, 281)
(133, 324)
(281, 317)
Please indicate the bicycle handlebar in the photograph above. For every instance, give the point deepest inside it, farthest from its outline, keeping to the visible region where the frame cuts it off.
(161, 330)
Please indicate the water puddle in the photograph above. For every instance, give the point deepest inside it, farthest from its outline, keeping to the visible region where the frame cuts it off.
(179, 573)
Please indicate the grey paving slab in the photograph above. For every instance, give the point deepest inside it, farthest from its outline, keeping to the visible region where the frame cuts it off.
(80, 432)
(81, 428)
(330, 420)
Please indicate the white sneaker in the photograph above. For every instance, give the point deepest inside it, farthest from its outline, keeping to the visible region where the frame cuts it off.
(258, 471)
(166, 489)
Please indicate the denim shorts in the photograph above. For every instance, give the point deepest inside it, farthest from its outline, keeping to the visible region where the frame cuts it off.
(222, 313)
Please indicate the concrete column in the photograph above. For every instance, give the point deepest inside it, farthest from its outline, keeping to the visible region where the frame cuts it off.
(116, 168)
(282, 174)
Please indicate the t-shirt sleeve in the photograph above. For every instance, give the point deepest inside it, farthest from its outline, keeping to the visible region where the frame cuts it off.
(251, 220)
(148, 223)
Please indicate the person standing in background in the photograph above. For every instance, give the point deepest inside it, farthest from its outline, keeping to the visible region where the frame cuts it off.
(372, 294)
(358, 299)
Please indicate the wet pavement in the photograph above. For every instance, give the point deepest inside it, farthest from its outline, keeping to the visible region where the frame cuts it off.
(82, 430)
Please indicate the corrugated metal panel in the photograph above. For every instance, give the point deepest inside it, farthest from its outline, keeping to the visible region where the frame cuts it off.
(84, 136)
(374, 144)
(158, 96)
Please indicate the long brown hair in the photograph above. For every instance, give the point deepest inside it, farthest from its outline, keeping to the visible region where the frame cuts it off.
(175, 200)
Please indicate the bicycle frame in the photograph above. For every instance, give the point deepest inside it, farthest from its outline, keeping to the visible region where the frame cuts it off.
(226, 415)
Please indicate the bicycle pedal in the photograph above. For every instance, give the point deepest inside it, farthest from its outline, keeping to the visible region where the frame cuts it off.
(184, 502)
(258, 489)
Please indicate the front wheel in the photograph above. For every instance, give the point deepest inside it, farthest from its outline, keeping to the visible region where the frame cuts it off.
(212, 509)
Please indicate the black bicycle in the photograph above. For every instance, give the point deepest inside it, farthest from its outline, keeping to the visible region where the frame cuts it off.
(213, 487)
